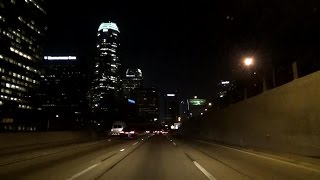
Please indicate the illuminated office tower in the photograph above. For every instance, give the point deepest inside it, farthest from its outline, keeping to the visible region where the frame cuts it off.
(22, 31)
(148, 104)
(63, 91)
(132, 81)
(106, 78)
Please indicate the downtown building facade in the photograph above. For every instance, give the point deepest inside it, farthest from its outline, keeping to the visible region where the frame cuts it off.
(63, 93)
(147, 103)
(171, 107)
(22, 33)
(133, 79)
(143, 103)
(106, 82)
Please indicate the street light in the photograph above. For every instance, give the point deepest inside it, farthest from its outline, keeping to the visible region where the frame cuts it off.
(248, 61)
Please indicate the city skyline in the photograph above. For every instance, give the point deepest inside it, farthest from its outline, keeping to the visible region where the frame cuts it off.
(179, 38)
(159, 89)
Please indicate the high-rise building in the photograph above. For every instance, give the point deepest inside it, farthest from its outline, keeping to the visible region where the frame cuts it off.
(22, 32)
(63, 91)
(171, 107)
(147, 100)
(106, 82)
(224, 88)
(132, 81)
(228, 92)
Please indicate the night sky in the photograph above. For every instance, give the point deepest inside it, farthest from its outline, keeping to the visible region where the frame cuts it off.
(187, 45)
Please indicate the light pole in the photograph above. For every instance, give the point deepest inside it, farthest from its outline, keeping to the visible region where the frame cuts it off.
(248, 62)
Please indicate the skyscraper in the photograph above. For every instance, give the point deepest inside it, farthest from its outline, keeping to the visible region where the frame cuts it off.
(106, 78)
(132, 81)
(22, 31)
(63, 92)
(171, 107)
(148, 104)
(224, 88)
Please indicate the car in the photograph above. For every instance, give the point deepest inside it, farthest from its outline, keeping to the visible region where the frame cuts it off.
(117, 127)
(128, 133)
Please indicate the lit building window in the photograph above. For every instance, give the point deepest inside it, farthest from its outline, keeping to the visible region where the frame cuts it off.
(29, 25)
(22, 37)
(2, 19)
(20, 53)
(36, 5)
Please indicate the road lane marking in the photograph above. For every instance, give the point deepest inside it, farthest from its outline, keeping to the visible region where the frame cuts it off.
(83, 171)
(265, 157)
(135, 143)
(174, 143)
(204, 171)
(121, 150)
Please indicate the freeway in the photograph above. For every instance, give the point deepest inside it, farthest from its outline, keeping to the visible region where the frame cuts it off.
(149, 157)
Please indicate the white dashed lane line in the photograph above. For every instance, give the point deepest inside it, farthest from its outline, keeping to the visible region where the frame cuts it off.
(83, 171)
(204, 171)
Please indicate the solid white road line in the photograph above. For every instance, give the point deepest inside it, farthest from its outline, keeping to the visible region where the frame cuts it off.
(265, 157)
(122, 150)
(204, 171)
(84, 171)
(135, 143)
(174, 143)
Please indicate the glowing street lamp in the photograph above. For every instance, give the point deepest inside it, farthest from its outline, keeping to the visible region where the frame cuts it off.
(248, 61)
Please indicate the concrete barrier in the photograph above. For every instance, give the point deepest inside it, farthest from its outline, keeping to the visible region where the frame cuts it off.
(284, 119)
(9, 140)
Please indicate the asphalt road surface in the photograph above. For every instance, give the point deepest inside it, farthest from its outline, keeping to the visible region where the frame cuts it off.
(148, 157)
